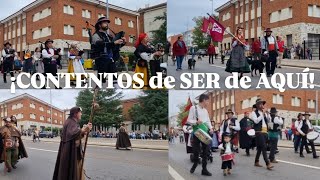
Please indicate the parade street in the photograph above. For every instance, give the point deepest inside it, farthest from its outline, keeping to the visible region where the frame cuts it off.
(104, 163)
(203, 66)
(290, 166)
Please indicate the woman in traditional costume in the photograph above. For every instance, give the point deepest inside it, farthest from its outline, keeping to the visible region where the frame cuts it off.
(75, 65)
(123, 140)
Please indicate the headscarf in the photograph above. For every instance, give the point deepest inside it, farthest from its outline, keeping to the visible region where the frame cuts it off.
(140, 39)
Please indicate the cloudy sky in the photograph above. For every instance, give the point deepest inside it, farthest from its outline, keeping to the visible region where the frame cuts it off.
(180, 14)
(62, 99)
(178, 97)
(15, 5)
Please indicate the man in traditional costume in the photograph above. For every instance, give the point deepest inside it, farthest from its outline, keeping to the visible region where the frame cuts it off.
(123, 140)
(270, 49)
(275, 122)
(12, 145)
(230, 125)
(8, 55)
(70, 154)
(246, 142)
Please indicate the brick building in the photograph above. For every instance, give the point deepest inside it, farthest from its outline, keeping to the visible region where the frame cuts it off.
(32, 112)
(148, 15)
(64, 21)
(289, 103)
(294, 21)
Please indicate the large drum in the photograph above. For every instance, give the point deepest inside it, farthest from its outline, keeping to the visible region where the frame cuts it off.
(251, 133)
(311, 136)
(201, 132)
(227, 157)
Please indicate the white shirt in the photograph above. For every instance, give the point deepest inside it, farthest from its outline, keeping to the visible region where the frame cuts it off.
(277, 120)
(228, 148)
(187, 129)
(228, 129)
(257, 120)
(45, 54)
(300, 126)
(296, 123)
(203, 115)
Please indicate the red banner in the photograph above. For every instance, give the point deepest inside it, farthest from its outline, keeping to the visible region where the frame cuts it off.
(213, 28)
(186, 109)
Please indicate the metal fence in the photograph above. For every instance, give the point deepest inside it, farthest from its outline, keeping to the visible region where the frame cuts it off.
(314, 45)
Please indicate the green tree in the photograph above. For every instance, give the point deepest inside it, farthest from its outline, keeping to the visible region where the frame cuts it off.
(109, 112)
(181, 113)
(200, 39)
(152, 110)
(160, 35)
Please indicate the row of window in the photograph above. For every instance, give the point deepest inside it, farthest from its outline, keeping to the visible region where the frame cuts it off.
(13, 31)
(314, 11)
(33, 106)
(278, 99)
(87, 14)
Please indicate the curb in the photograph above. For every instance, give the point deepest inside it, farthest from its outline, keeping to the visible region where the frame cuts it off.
(299, 66)
(163, 148)
(291, 147)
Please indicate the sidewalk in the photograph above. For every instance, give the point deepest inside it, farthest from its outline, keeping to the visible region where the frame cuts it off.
(289, 144)
(303, 63)
(111, 142)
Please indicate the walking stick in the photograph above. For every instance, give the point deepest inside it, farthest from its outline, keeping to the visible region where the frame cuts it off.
(94, 105)
(5, 153)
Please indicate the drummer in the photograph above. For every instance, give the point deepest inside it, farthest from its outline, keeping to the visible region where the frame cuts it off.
(187, 129)
(246, 141)
(198, 114)
(304, 128)
(297, 136)
(226, 149)
(231, 125)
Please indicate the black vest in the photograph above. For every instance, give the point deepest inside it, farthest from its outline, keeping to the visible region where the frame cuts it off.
(275, 126)
(258, 127)
(225, 125)
(98, 50)
(224, 148)
(305, 127)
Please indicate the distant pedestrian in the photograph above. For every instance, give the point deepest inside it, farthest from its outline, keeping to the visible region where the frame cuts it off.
(211, 53)
(123, 140)
(179, 51)
(309, 51)
(281, 50)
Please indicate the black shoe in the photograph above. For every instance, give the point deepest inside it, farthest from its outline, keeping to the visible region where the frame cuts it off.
(309, 152)
(315, 157)
(301, 155)
(193, 168)
(206, 173)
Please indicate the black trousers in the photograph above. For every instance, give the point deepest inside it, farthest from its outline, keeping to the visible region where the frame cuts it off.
(7, 68)
(304, 142)
(211, 58)
(49, 67)
(273, 147)
(271, 63)
(226, 164)
(154, 67)
(261, 140)
(196, 152)
(105, 65)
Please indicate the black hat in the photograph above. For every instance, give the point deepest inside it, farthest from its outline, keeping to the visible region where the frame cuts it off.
(258, 101)
(300, 114)
(273, 110)
(100, 20)
(268, 30)
(5, 44)
(6, 119)
(229, 111)
(307, 114)
(254, 106)
(75, 110)
(47, 41)
(226, 134)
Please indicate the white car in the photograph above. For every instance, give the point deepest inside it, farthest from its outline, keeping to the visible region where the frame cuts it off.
(317, 129)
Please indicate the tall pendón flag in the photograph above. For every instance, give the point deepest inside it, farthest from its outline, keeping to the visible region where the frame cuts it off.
(213, 28)
(186, 112)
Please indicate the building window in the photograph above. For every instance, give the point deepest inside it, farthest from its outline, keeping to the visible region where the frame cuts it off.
(277, 99)
(68, 9)
(60, 122)
(85, 33)
(314, 11)
(20, 105)
(241, 10)
(118, 21)
(41, 33)
(55, 121)
(295, 101)
(252, 5)
(247, 25)
(68, 30)
(42, 14)
(252, 24)
(311, 104)
(86, 14)
(32, 105)
(32, 116)
(131, 39)
(101, 15)
(131, 24)
(14, 107)
(259, 21)
(41, 118)
(247, 7)
(48, 111)
(281, 15)
(41, 109)
(259, 3)
(49, 119)
(56, 114)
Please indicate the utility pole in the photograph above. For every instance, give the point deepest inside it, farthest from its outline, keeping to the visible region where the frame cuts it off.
(107, 8)
(51, 110)
(317, 111)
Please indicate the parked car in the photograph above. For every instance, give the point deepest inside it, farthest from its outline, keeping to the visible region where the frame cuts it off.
(317, 129)
(202, 52)
(46, 134)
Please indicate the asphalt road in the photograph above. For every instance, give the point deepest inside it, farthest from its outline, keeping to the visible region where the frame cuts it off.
(204, 67)
(101, 163)
(291, 166)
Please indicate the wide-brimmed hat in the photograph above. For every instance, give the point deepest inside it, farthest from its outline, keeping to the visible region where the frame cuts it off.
(75, 110)
(258, 101)
(254, 106)
(47, 41)
(268, 30)
(6, 119)
(306, 114)
(273, 110)
(5, 44)
(229, 111)
(226, 134)
(100, 20)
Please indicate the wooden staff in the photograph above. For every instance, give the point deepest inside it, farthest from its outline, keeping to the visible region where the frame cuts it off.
(5, 152)
(93, 107)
